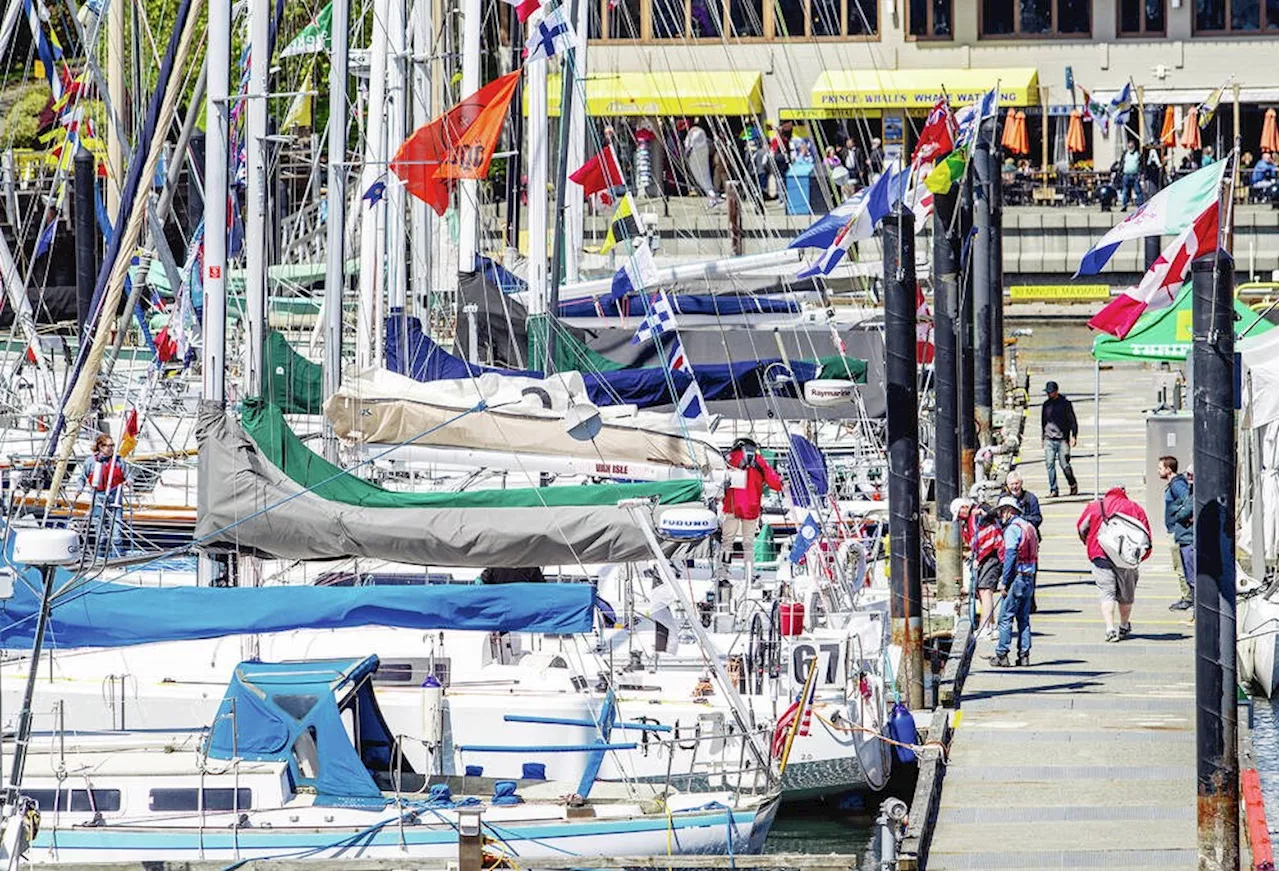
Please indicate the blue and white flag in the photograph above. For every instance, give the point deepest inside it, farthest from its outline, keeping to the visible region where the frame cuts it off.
(1120, 105)
(806, 535)
(45, 240)
(880, 199)
(692, 405)
(659, 319)
(375, 193)
(636, 274)
(549, 37)
(969, 119)
(823, 232)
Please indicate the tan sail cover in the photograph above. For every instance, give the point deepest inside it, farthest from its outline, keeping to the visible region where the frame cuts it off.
(383, 407)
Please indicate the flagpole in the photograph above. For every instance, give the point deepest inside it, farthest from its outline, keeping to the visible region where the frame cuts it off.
(335, 279)
(536, 84)
(469, 189)
(567, 72)
(514, 161)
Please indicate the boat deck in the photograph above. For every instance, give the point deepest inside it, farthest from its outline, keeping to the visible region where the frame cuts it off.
(1086, 759)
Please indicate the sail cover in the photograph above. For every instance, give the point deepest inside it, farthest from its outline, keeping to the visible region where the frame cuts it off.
(118, 615)
(723, 304)
(251, 505)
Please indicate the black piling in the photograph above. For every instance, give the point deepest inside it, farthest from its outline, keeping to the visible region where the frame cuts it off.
(1150, 250)
(86, 235)
(996, 252)
(946, 370)
(964, 342)
(1217, 764)
(903, 422)
(982, 288)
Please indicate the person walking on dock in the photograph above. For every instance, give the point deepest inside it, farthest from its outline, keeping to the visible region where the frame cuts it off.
(1058, 431)
(1028, 504)
(749, 474)
(1020, 548)
(1116, 553)
(982, 535)
(1179, 510)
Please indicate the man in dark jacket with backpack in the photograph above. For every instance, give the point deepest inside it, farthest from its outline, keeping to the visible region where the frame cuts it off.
(1179, 511)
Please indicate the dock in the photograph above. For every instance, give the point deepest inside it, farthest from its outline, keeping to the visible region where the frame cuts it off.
(1087, 758)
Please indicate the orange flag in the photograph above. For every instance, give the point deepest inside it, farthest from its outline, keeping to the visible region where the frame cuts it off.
(458, 144)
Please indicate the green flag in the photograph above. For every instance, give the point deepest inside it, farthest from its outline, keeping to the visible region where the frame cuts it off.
(947, 172)
(314, 38)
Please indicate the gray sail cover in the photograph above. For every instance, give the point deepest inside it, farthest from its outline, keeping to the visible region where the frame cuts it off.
(249, 505)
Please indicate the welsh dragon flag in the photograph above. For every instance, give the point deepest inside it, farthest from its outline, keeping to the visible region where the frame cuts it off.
(1160, 286)
(314, 38)
(1168, 213)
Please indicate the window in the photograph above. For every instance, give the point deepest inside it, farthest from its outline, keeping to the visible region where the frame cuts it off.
(623, 19)
(81, 800)
(1035, 18)
(862, 17)
(746, 18)
(215, 799)
(668, 19)
(929, 19)
(795, 19)
(1237, 16)
(1141, 17)
(788, 18)
(825, 17)
(705, 19)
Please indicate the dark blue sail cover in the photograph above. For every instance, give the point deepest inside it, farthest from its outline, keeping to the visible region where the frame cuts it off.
(806, 471)
(646, 387)
(683, 303)
(117, 615)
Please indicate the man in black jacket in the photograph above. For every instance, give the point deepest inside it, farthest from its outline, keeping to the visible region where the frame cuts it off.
(1058, 431)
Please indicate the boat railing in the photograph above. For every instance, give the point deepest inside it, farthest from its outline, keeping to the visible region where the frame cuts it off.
(716, 769)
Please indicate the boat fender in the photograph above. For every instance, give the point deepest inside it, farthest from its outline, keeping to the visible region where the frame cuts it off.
(902, 728)
(827, 392)
(432, 711)
(687, 524)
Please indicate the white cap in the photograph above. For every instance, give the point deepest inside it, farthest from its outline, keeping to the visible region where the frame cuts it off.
(1009, 502)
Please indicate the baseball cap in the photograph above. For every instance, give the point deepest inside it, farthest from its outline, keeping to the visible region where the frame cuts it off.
(1051, 387)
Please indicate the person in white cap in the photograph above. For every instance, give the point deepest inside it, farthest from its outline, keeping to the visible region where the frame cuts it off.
(1021, 554)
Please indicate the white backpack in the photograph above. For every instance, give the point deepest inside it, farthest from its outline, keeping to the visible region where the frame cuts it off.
(1123, 539)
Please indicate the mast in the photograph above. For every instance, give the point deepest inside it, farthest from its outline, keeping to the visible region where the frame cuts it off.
(576, 154)
(395, 134)
(516, 126)
(335, 278)
(469, 189)
(116, 97)
(567, 76)
(255, 273)
(373, 217)
(536, 74)
(422, 219)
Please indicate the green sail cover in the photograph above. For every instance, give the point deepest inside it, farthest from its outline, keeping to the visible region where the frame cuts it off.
(293, 383)
(1165, 334)
(836, 366)
(278, 444)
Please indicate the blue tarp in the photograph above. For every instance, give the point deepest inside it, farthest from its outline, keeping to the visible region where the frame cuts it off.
(646, 387)
(686, 304)
(116, 615)
(269, 706)
(806, 471)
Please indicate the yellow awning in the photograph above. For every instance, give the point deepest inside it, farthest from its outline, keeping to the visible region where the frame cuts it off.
(856, 90)
(668, 93)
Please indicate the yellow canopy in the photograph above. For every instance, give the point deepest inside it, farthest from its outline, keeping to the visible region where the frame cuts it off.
(669, 93)
(920, 89)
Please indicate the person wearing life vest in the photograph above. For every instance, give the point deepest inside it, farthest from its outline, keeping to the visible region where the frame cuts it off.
(105, 476)
(749, 474)
(1117, 585)
(982, 535)
(1020, 554)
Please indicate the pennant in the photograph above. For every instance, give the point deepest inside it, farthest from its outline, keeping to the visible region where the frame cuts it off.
(549, 37)
(938, 136)
(299, 112)
(45, 240)
(679, 360)
(659, 319)
(524, 8)
(638, 273)
(1206, 110)
(472, 151)
(622, 226)
(600, 173)
(420, 157)
(315, 38)
(806, 535)
(691, 405)
(1170, 211)
(375, 193)
(1161, 284)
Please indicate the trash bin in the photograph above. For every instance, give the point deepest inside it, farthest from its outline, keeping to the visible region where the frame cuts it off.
(800, 189)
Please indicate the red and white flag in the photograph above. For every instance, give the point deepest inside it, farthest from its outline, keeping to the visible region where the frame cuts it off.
(1161, 284)
(788, 718)
(524, 8)
(937, 139)
(924, 329)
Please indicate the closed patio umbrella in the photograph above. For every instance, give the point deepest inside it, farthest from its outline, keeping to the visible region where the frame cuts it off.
(1008, 136)
(1190, 132)
(1169, 131)
(1022, 146)
(1270, 139)
(1075, 133)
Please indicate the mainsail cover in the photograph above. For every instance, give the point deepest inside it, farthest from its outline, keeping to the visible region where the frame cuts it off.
(117, 615)
(251, 505)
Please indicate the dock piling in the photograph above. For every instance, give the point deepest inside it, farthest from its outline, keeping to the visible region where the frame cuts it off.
(945, 365)
(982, 288)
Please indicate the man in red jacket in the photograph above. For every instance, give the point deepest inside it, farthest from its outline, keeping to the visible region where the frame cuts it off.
(749, 474)
(1116, 584)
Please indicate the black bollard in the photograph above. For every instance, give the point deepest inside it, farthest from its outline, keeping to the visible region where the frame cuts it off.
(1217, 764)
(86, 235)
(982, 288)
(898, 239)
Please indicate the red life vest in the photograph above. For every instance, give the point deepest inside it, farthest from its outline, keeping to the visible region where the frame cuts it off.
(984, 538)
(106, 475)
(1028, 547)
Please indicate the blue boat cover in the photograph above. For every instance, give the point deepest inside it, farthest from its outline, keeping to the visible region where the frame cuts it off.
(426, 360)
(118, 615)
(271, 707)
(806, 471)
(684, 303)
(497, 274)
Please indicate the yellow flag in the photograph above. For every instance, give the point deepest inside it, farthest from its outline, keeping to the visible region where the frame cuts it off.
(299, 114)
(622, 227)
